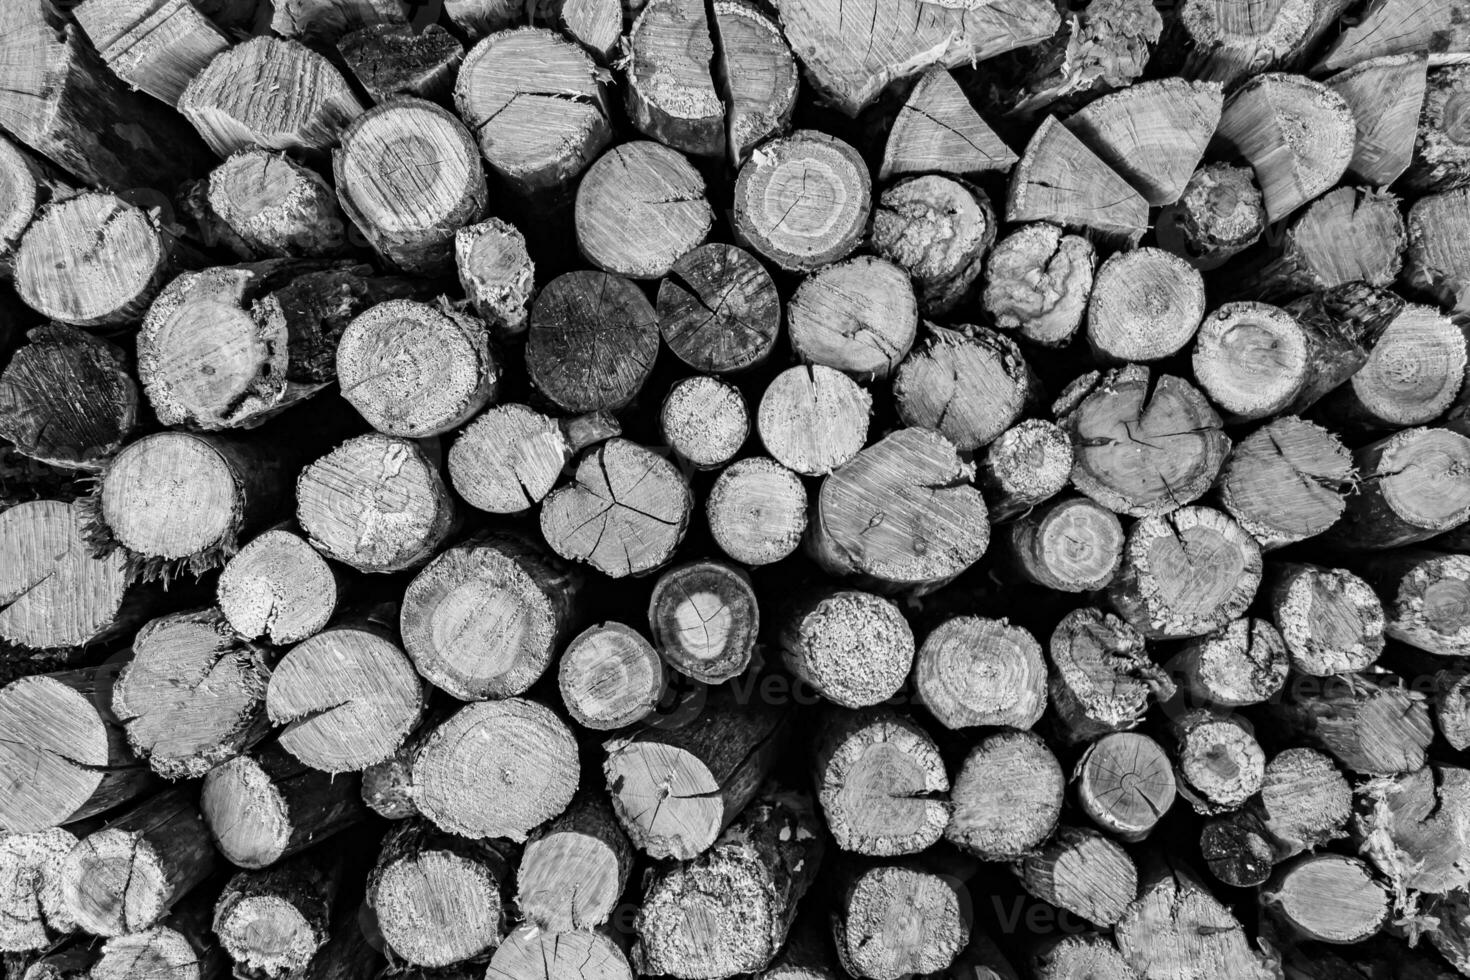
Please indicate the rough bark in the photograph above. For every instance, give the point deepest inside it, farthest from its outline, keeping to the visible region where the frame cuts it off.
(973, 671)
(390, 60)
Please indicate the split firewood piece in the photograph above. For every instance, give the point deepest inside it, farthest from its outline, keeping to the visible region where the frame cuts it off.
(1144, 446)
(180, 947)
(1176, 928)
(1146, 304)
(718, 310)
(390, 60)
(1385, 95)
(813, 419)
(1038, 281)
(477, 18)
(1084, 873)
(439, 898)
(854, 648)
(874, 898)
(529, 953)
(624, 513)
(537, 105)
(67, 398)
(938, 130)
(1286, 482)
(92, 260)
(881, 783)
(266, 807)
(508, 459)
(757, 511)
(729, 910)
(497, 274)
(1368, 722)
(639, 208)
(348, 697)
(610, 677)
(1025, 466)
(1251, 359)
(1448, 685)
(30, 889)
(973, 671)
(54, 594)
(1186, 573)
(175, 500)
(484, 618)
(1243, 662)
(376, 503)
(1152, 134)
(1415, 829)
(496, 769)
(30, 182)
(803, 201)
(859, 316)
(1396, 27)
(279, 588)
(1125, 784)
(415, 370)
(326, 21)
(1349, 234)
(1007, 797)
(1412, 375)
(936, 229)
(1412, 485)
(673, 90)
(1441, 159)
(704, 421)
(1102, 677)
(1060, 180)
(409, 176)
(592, 341)
(1070, 545)
(1080, 957)
(273, 922)
(1305, 801)
(1328, 897)
(903, 514)
(193, 694)
(573, 871)
(969, 384)
(675, 789)
(1228, 41)
(1221, 765)
(126, 876)
(1437, 263)
(1331, 620)
(235, 103)
(1219, 214)
(156, 46)
(1426, 598)
(276, 206)
(1237, 849)
(65, 103)
(1297, 134)
(1341, 324)
(756, 74)
(851, 56)
(704, 619)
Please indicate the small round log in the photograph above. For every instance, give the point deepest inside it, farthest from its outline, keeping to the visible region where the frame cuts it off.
(1101, 675)
(1250, 359)
(718, 310)
(894, 921)
(1007, 797)
(276, 207)
(496, 769)
(1146, 304)
(1237, 849)
(610, 677)
(30, 889)
(704, 619)
(1305, 801)
(1070, 545)
(1331, 620)
(1038, 281)
(1221, 765)
(537, 105)
(1125, 784)
(624, 513)
(854, 648)
(1413, 374)
(529, 953)
(1330, 898)
(803, 202)
(1286, 482)
(813, 419)
(881, 781)
(1089, 957)
(574, 870)
(1412, 485)
(1441, 158)
(497, 274)
(757, 511)
(1243, 662)
(1219, 215)
(265, 807)
(936, 229)
(1426, 598)
(376, 503)
(508, 459)
(639, 208)
(278, 587)
(859, 316)
(592, 341)
(969, 384)
(272, 922)
(1084, 873)
(704, 421)
(973, 671)
(1025, 466)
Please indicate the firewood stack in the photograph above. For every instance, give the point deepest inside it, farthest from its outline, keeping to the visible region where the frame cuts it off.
(780, 489)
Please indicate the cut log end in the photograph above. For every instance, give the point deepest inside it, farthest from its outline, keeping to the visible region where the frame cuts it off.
(854, 648)
(803, 201)
(610, 677)
(1038, 281)
(929, 906)
(639, 208)
(859, 316)
(757, 511)
(718, 310)
(705, 421)
(1251, 359)
(1072, 545)
(1125, 784)
(1007, 797)
(592, 342)
(278, 587)
(1146, 304)
(973, 671)
(704, 619)
(813, 419)
(1331, 620)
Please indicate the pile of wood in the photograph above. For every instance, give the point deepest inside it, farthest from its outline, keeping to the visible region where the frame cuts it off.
(785, 489)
